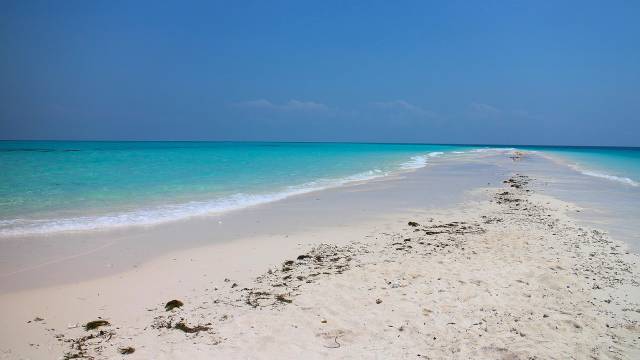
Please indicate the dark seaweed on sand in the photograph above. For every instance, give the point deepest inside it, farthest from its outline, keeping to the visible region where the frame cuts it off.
(127, 350)
(91, 325)
(195, 329)
(173, 304)
(283, 299)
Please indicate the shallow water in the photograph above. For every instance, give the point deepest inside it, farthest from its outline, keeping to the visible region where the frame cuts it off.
(616, 164)
(48, 187)
(54, 186)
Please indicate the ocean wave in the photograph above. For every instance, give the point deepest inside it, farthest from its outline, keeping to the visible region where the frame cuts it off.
(172, 212)
(501, 150)
(589, 172)
(484, 150)
(624, 180)
(419, 161)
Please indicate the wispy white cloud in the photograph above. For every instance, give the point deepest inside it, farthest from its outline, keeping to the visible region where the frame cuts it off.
(304, 105)
(404, 106)
(291, 105)
(487, 111)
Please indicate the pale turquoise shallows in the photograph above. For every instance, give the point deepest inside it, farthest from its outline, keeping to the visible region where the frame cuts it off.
(66, 185)
(617, 164)
(52, 186)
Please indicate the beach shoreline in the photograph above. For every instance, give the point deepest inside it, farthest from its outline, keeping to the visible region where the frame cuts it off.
(45, 260)
(431, 278)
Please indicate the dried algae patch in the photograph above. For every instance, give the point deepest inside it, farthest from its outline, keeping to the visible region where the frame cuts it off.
(91, 325)
(173, 304)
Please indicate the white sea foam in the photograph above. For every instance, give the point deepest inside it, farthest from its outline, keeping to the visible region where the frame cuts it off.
(172, 212)
(500, 150)
(624, 180)
(589, 172)
(419, 161)
(485, 150)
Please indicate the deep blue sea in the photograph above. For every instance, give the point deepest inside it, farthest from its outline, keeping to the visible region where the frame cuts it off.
(49, 186)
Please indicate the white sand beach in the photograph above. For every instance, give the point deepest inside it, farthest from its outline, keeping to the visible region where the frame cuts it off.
(483, 257)
(319, 180)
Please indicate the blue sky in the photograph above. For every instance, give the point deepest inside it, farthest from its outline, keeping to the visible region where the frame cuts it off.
(511, 72)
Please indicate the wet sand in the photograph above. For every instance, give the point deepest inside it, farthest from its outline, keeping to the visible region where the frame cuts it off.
(445, 262)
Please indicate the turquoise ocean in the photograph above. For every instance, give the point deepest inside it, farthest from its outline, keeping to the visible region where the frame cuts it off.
(51, 186)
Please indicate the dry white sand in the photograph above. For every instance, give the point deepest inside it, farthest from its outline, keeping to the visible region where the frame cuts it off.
(512, 276)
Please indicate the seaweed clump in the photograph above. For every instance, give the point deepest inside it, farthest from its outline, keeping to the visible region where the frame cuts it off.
(127, 350)
(188, 329)
(283, 299)
(92, 325)
(173, 304)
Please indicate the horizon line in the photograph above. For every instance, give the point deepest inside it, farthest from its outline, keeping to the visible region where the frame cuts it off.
(331, 142)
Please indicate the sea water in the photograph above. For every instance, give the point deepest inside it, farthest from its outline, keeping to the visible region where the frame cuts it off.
(52, 186)
(620, 164)
(61, 185)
